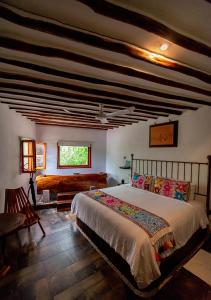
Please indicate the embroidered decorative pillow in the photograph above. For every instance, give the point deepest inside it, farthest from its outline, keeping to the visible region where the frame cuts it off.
(168, 188)
(158, 185)
(181, 190)
(148, 182)
(138, 181)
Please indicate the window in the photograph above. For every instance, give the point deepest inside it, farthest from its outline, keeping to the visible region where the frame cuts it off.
(74, 156)
(28, 158)
(40, 156)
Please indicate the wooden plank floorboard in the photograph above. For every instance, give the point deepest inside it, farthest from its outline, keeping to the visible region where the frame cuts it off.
(63, 265)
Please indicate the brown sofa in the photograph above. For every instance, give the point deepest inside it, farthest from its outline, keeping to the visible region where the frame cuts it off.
(70, 183)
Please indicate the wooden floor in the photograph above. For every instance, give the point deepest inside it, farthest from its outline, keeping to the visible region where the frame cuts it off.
(63, 266)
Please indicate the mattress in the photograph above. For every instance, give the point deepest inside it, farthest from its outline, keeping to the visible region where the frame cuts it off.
(127, 238)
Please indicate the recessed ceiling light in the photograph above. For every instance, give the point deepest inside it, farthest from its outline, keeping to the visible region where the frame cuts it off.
(164, 46)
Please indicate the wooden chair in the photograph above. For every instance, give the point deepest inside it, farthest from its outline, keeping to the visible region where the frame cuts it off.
(16, 201)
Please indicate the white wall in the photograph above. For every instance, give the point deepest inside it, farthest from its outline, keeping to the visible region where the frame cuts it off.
(52, 134)
(12, 126)
(194, 142)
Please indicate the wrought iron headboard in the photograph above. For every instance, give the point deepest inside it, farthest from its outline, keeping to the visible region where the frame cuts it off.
(196, 172)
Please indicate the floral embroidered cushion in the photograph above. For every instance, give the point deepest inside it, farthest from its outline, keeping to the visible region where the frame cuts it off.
(168, 188)
(181, 190)
(175, 189)
(138, 181)
(148, 182)
(158, 184)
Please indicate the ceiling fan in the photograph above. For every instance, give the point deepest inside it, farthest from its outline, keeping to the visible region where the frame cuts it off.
(103, 117)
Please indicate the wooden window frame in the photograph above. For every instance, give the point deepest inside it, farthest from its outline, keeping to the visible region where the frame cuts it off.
(45, 151)
(22, 156)
(73, 166)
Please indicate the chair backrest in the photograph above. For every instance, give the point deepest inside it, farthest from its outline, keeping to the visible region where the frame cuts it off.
(16, 201)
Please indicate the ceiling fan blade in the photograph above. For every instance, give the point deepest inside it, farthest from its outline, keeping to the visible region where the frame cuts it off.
(103, 120)
(120, 112)
(66, 110)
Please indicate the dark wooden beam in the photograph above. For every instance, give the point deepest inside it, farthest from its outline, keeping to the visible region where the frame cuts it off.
(97, 81)
(39, 109)
(83, 117)
(73, 110)
(47, 109)
(90, 123)
(33, 98)
(90, 91)
(99, 41)
(79, 119)
(59, 104)
(63, 125)
(141, 21)
(78, 126)
(151, 108)
(9, 43)
(141, 112)
(23, 109)
(89, 99)
(82, 122)
(66, 94)
(111, 122)
(27, 112)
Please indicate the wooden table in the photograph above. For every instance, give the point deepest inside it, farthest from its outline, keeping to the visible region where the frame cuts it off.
(9, 223)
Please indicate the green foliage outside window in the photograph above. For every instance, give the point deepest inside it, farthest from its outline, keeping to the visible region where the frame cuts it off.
(73, 155)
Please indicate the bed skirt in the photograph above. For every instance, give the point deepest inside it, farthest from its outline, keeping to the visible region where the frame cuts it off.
(169, 267)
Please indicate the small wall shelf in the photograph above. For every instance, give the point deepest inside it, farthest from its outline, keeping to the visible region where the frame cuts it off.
(126, 168)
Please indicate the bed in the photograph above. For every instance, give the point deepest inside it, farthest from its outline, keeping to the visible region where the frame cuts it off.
(128, 247)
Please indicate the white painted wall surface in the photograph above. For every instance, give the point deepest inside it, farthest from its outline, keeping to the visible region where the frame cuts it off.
(52, 134)
(12, 126)
(194, 142)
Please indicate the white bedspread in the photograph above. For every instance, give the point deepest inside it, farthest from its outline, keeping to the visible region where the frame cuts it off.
(128, 239)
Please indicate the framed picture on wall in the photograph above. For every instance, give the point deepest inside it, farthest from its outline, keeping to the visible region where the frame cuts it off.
(163, 135)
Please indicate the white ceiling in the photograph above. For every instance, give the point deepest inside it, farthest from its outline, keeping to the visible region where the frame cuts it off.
(189, 18)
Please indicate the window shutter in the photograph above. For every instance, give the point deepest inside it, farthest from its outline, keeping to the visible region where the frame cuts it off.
(28, 156)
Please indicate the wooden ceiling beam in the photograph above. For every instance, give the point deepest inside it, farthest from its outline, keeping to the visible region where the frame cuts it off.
(60, 113)
(76, 111)
(70, 106)
(97, 81)
(29, 48)
(111, 124)
(76, 120)
(104, 101)
(78, 123)
(28, 111)
(95, 40)
(83, 117)
(31, 98)
(24, 111)
(91, 91)
(78, 126)
(116, 12)
(40, 107)
(90, 116)
(35, 95)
